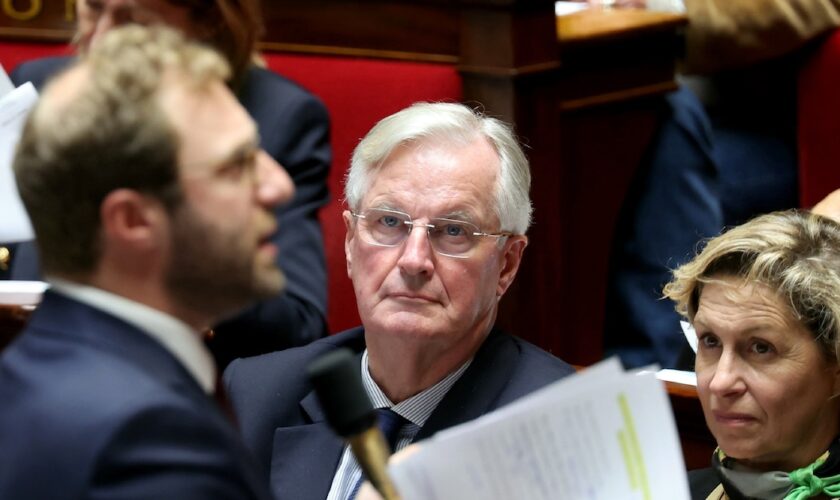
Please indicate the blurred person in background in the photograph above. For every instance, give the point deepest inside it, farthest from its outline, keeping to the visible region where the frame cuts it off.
(725, 152)
(126, 167)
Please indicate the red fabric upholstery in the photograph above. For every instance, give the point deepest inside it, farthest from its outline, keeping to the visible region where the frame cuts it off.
(819, 117)
(14, 53)
(358, 93)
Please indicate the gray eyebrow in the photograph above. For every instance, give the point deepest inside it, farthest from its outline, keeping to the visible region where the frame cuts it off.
(458, 215)
(386, 206)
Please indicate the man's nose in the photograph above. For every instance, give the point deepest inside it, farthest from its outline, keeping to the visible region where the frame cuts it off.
(416, 256)
(274, 186)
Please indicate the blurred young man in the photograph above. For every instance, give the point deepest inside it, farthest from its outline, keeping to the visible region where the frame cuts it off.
(293, 128)
(143, 177)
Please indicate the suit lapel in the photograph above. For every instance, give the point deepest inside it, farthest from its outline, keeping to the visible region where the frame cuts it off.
(65, 319)
(478, 389)
(305, 457)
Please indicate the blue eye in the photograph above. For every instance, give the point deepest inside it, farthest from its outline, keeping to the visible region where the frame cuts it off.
(454, 230)
(390, 221)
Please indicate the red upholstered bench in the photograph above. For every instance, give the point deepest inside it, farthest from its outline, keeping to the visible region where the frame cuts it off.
(357, 93)
(819, 122)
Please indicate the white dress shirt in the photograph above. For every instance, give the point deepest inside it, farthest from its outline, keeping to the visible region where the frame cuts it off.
(416, 410)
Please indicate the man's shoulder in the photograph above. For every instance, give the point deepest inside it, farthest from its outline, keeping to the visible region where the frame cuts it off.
(38, 71)
(289, 364)
(264, 89)
(76, 360)
(84, 440)
(534, 359)
(526, 366)
(70, 408)
(85, 384)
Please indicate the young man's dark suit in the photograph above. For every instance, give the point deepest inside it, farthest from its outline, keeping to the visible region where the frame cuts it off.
(294, 129)
(284, 426)
(133, 422)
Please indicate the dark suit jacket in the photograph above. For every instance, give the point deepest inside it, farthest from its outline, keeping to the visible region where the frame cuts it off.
(91, 407)
(294, 129)
(284, 425)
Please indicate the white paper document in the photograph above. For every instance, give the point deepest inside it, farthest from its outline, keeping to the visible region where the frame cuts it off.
(21, 293)
(601, 434)
(565, 8)
(6, 84)
(14, 108)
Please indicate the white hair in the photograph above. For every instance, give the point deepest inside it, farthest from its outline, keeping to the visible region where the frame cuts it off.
(450, 123)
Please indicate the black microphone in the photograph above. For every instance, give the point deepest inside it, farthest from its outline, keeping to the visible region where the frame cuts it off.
(338, 384)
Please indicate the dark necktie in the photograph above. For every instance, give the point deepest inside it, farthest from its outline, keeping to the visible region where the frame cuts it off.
(390, 424)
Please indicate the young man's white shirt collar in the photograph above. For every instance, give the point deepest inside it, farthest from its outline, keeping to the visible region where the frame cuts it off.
(173, 334)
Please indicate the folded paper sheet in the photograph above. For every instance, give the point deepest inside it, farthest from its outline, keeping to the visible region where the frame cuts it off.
(15, 105)
(601, 434)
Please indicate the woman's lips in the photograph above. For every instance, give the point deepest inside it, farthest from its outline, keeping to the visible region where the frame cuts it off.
(733, 418)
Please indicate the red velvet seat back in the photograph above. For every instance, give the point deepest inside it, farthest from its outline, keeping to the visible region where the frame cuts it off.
(819, 122)
(14, 53)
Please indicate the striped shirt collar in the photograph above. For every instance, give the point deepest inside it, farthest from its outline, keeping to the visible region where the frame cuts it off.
(174, 335)
(417, 408)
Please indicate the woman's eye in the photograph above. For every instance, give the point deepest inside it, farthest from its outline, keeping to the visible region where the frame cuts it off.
(761, 348)
(708, 340)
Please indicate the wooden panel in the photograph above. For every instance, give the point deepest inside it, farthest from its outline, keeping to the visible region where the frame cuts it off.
(49, 20)
(405, 30)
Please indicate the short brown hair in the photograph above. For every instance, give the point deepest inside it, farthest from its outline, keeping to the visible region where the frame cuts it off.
(111, 134)
(795, 253)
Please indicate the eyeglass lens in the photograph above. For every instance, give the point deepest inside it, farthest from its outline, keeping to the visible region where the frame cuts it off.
(447, 236)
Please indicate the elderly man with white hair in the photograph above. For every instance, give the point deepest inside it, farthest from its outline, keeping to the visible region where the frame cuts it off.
(438, 210)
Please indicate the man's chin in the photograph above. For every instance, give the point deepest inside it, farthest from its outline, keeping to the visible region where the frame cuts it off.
(410, 324)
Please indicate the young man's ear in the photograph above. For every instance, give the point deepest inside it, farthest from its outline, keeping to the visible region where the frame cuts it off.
(131, 218)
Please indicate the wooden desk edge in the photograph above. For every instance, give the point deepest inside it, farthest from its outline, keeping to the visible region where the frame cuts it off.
(594, 24)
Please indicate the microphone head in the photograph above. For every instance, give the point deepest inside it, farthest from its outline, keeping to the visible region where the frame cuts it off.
(337, 380)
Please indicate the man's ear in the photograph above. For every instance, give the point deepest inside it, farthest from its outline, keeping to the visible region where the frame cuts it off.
(512, 252)
(348, 239)
(131, 219)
